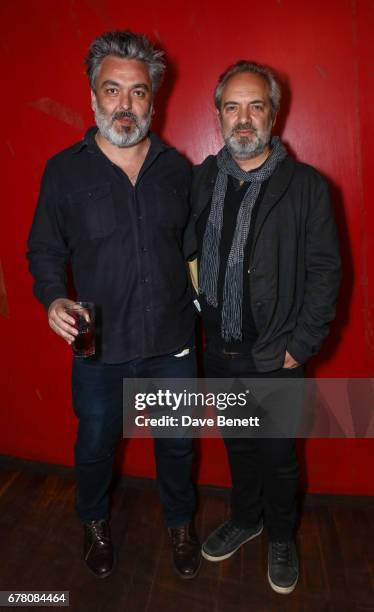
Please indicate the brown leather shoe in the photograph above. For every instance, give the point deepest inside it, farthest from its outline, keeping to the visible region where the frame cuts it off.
(98, 549)
(186, 551)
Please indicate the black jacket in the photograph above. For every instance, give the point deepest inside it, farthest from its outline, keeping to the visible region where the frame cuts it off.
(294, 264)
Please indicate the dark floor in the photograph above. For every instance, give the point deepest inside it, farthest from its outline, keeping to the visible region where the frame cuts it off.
(40, 549)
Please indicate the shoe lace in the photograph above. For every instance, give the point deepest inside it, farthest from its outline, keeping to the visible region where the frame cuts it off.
(99, 531)
(282, 553)
(228, 530)
(183, 537)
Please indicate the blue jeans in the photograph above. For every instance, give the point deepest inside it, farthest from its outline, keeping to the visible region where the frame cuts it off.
(97, 400)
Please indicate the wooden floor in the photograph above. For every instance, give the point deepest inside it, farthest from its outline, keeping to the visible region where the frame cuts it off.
(40, 549)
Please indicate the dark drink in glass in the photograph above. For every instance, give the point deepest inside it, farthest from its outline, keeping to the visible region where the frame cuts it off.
(83, 314)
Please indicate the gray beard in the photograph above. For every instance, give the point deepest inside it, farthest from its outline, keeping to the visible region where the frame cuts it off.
(244, 148)
(121, 139)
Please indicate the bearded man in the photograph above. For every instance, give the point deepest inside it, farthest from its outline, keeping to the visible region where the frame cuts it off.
(115, 206)
(269, 272)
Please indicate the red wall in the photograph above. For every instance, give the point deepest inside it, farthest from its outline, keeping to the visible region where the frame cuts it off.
(324, 51)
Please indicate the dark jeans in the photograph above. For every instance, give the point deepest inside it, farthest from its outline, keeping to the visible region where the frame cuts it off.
(97, 400)
(264, 471)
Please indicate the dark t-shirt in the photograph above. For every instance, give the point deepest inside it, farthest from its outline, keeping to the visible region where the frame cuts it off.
(212, 316)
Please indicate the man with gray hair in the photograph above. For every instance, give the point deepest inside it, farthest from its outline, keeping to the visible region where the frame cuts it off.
(269, 272)
(115, 206)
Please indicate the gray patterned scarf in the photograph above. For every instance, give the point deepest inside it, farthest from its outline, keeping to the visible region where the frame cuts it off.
(231, 325)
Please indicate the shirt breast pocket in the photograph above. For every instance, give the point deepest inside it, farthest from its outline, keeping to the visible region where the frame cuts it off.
(92, 213)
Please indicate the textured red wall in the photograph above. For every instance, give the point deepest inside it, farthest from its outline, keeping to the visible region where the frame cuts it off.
(324, 51)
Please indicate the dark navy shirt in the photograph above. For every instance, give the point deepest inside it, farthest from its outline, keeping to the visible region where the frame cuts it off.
(124, 244)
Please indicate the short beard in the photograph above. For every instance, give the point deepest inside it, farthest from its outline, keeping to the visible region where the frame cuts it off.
(123, 138)
(246, 148)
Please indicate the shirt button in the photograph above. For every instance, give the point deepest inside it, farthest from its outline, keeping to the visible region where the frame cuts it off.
(148, 309)
(140, 217)
(143, 249)
(145, 280)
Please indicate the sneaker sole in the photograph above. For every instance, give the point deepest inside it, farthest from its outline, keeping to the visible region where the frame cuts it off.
(223, 557)
(282, 590)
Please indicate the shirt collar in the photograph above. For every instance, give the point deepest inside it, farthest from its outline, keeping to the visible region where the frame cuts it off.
(89, 143)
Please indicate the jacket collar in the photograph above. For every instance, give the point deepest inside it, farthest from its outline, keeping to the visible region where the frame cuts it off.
(278, 183)
(206, 175)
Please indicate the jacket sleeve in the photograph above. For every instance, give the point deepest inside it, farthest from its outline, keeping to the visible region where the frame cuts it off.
(189, 236)
(203, 179)
(322, 277)
(48, 252)
(190, 240)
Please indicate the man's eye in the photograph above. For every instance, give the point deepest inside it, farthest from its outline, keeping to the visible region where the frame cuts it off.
(230, 108)
(257, 107)
(112, 91)
(139, 93)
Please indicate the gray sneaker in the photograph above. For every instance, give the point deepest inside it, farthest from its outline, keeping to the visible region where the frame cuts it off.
(227, 539)
(283, 566)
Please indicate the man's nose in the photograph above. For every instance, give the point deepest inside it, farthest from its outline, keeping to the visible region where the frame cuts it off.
(125, 100)
(245, 114)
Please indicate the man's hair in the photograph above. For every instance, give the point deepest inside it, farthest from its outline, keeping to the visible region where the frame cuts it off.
(126, 45)
(247, 66)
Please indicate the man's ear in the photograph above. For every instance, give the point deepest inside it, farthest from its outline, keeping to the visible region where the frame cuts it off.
(93, 99)
(274, 119)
